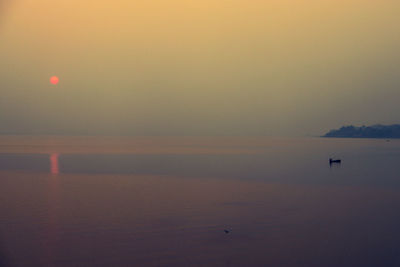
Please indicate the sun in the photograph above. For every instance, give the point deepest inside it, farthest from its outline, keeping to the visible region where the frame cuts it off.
(54, 80)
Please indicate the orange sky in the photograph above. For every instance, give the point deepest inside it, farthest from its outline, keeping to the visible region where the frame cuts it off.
(198, 67)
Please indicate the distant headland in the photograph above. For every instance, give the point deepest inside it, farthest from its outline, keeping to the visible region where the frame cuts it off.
(373, 131)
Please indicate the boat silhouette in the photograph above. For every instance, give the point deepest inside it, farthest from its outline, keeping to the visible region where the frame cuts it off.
(334, 161)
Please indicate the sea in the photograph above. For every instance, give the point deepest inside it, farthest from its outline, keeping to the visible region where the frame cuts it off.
(199, 201)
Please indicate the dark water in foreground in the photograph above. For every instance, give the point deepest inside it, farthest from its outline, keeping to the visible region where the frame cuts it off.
(97, 201)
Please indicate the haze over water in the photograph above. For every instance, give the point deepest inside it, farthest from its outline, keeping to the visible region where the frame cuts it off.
(185, 87)
(151, 201)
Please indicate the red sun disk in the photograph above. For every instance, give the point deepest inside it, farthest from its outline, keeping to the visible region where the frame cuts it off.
(54, 80)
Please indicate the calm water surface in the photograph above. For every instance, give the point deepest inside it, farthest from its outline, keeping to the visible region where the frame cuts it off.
(165, 201)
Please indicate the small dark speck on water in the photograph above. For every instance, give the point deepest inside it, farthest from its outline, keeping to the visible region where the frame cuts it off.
(227, 231)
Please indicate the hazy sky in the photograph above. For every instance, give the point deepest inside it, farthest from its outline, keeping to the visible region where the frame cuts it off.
(182, 67)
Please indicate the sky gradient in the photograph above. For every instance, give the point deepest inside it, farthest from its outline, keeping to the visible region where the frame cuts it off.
(182, 67)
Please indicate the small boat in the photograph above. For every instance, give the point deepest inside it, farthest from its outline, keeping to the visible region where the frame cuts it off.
(334, 160)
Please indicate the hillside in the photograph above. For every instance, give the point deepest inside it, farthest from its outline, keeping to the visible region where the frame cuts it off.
(374, 131)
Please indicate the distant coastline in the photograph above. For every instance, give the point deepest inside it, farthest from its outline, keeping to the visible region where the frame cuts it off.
(373, 131)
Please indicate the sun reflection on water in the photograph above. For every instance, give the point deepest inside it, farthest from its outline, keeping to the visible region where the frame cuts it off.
(54, 167)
